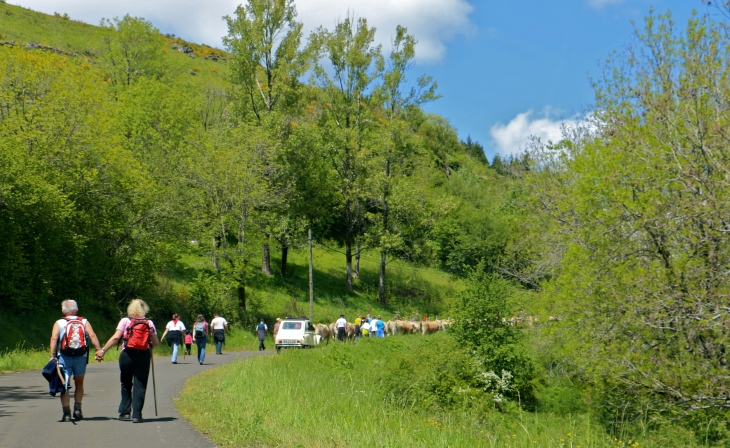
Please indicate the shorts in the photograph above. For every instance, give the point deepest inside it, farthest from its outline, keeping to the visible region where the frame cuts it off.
(73, 365)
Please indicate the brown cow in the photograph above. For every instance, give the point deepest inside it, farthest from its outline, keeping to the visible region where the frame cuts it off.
(430, 327)
(403, 327)
(350, 331)
(324, 331)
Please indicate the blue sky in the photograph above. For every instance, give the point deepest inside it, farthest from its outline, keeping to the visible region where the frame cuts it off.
(534, 56)
(506, 69)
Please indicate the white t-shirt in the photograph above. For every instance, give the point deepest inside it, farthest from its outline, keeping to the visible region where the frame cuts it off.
(365, 326)
(341, 323)
(179, 326)
(218, 323)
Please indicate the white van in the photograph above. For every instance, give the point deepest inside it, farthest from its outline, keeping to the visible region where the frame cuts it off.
(296, 332)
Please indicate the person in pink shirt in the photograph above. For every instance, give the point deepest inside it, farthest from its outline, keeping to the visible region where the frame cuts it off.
(188, 342)
(140, 337)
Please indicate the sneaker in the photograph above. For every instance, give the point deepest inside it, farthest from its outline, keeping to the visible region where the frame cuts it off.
(124, 417)
(137, 420)
(78, 415)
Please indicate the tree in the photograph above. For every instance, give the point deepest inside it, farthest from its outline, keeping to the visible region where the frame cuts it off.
(640, 206)
(132, 48)
(346, 121)
(393, 154)
(265, 40)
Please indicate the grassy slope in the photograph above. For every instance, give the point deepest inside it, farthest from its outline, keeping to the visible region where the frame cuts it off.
(24, 25)
(338, 396)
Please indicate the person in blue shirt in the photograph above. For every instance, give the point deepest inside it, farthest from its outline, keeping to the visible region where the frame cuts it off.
(380, 327)
(262, 329)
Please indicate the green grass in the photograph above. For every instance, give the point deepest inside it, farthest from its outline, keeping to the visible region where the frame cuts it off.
(24, 25)
(364, 395)
(409, 288)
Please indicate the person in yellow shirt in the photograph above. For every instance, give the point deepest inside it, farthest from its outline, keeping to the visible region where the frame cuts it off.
(358, 321)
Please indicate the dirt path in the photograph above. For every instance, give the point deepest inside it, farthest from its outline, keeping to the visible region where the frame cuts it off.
(29, 417)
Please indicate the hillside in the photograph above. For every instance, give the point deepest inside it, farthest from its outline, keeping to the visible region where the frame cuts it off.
(26, 27)
(177, 276)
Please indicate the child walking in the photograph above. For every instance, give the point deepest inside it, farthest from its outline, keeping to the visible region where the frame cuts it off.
(188, 342)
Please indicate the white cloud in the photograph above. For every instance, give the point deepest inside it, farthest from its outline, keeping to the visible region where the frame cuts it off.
(433, 22)
(602, 3)
(511, 138)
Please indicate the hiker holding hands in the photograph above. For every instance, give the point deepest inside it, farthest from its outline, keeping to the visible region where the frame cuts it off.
(140, 336)
(70, 348)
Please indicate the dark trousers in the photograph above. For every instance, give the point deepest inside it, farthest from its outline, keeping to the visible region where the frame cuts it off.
(341, 333)
(134, 368)
(261, 344)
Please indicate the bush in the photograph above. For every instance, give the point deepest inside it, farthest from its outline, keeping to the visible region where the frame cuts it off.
(482, 325)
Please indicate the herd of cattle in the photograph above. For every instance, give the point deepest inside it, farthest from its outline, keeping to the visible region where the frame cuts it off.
(392, 327)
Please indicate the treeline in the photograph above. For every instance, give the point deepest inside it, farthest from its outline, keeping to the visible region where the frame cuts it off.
(110, 167)
(624, 226)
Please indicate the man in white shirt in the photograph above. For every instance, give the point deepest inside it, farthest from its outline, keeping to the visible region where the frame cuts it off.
(220, 329)
(341, 324)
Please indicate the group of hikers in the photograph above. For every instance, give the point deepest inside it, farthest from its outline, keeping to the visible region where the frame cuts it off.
(69, 347)
(177, 334)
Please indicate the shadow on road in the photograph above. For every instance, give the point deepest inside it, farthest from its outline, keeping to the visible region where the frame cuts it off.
(8, 393)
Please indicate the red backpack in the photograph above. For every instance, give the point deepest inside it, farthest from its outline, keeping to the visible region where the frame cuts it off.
(75, 341)
(137, 334)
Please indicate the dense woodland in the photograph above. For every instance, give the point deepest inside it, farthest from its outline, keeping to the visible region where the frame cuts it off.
(601, 259)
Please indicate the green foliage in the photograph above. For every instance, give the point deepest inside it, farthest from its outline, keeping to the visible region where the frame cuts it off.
(481, 324)
(132, 49)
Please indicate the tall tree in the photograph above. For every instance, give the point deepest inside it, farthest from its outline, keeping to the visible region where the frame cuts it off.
(265, 39)
(347, 81)
(394, 151)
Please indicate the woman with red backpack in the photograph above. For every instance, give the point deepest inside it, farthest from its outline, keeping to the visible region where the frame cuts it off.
(140, 337)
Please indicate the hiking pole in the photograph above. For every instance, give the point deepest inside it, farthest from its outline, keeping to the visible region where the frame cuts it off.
(154, 386)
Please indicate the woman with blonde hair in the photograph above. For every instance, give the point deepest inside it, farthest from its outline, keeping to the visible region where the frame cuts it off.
(140, 336)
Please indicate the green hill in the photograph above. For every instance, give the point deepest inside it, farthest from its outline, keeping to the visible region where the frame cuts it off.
(182, 277)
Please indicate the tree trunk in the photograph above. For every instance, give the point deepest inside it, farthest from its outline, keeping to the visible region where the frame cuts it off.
(284, 255)
(356, 271)
(348, 259)
(242, 296)
(381, 290)
(266, 260)
(215, 255)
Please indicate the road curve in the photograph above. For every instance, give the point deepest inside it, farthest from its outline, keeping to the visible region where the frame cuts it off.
(29, 417)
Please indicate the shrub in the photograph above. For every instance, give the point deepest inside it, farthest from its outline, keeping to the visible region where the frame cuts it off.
(482, 325)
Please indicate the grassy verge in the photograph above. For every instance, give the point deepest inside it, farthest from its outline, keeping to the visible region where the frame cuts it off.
(21, 358)
(402, 391)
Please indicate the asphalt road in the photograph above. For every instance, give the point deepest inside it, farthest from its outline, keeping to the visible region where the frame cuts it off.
(30, 417)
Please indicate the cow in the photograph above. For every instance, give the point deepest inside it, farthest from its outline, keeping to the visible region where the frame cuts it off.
(403, 327)
(323, 331)
(416, 326)
(333, 330)
(430, 327)
(390, 328)
(350, 331)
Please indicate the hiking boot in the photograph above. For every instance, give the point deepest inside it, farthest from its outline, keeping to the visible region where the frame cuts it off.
(77, 412)
(124, 417)
(137, 419)
(66, 414)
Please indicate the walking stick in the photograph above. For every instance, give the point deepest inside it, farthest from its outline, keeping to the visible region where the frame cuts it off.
(154, 386)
